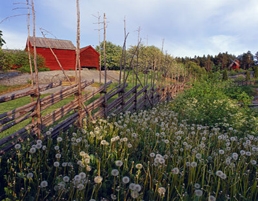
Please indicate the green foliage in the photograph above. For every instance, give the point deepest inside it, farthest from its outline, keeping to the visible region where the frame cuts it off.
(248, 76)
(5, 60)
(212, 103)
(19, 60)
(225, 75)
(195, 70)
(256, 72)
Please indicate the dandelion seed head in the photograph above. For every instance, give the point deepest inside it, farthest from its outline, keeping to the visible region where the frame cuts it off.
(29, 175)
(56, 148)
(175, 170)
(134, 194)
(32, 150)
(58, 156)
(114, 172)
(193, 164)
(56, 164)
(161, 191)
(17, 146)
(82, 175)
(119, 163)
(43, 184)
(66, 179)
(138, 166)
(125, 180)
(198, 192)
(98, 179)
(212, 198)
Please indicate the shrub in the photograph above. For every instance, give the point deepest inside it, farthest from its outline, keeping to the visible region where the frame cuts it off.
(225, 75)
(248, 76)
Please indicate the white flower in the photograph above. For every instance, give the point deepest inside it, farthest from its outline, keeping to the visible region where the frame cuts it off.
(82, 175)
(138, 166)
(125, 179)
(80, 186)
(66, 179)
(43, 184)
(198, 156)
(114, 172)
(119, 163)
(161, 191)
(17, 146)
(98, 179)
(56, 164)
(29, 175)
(211, 198)
(32, 150)
(59, 139)
(221, 151)
(175, 170)
(196, 185)
(198, 192)
(58, 155)
(134, 194)
(193, 164)
(56, 148)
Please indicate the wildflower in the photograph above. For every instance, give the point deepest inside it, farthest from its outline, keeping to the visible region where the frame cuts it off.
(56, 164)
(198, 156)
(43, 184)
(58, 155)
(48, 133)
(161, 160)
(66, 179)
(56, 148)
(242, 152)
(98, 179)
(211, 198)
(198, 192)
(125, 179)
(248, 153)
(138, 166)
(193, 164)
(161, 191)
(17, 146)
(59, 139)
(131, 186)
(64, 164)
(30, 175)
(175, 170)
(32, 150)
(235, 156)
(129, 145)
(38, 146)
(51, 129)
(44, 147)
(253, 162)
(196, 185)
(119, 163)
(80, 187)
(221, 151)
(82, 175)
(134, 135)
(114, 172)
(39, 141)
(134, 194)
(137, 187)
(88, 168)
(113, 196)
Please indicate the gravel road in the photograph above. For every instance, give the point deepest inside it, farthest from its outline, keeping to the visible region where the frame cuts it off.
(15, 78)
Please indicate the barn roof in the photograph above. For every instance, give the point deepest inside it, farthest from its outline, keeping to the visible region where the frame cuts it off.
(87, 47)
(52, 43)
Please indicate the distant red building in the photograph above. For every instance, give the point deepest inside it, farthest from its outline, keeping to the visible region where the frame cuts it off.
(57, 51)
(235, 65)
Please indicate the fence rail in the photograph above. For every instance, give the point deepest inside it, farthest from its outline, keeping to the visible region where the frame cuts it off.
(96, 104)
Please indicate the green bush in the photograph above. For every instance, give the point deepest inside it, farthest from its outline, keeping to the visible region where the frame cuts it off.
(248, 76)
(256, 72)
(225, 75)
(214, 103)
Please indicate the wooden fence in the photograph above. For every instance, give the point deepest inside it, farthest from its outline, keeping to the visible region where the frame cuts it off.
(89, 105)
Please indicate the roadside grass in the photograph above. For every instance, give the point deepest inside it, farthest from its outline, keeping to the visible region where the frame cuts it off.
(7, 89)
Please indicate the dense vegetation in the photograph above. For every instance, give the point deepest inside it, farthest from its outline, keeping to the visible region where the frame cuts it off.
(201, 146)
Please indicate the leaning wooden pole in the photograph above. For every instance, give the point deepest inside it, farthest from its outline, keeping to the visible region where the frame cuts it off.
(37, 91)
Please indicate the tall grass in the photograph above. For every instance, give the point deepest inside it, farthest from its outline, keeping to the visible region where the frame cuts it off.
(159, 154)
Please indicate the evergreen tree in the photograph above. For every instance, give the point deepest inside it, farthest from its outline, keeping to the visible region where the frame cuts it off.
(2, 41)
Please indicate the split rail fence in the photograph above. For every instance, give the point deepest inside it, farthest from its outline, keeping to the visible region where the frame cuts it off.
(89, 105)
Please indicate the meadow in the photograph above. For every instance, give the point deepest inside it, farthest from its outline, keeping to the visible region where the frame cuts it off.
(201, 146)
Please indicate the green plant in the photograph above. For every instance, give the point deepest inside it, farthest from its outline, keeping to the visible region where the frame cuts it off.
(248, 76)
(225, 75)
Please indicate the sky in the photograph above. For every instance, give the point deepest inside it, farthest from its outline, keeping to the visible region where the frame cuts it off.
(181, 28)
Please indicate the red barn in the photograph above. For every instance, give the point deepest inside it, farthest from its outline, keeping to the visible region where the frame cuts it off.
(64, 50)
(89, 57)
(57, 51)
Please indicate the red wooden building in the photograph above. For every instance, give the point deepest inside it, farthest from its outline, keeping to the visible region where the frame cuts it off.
(57, 51)
(89, 57)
